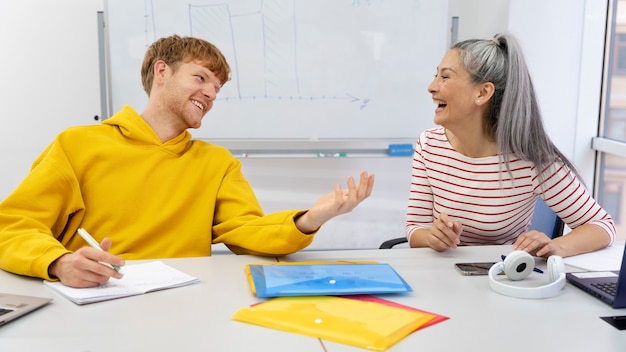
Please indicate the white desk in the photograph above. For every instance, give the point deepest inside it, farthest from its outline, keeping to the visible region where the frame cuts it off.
(198, 317)
(184, 319)
(481, 319)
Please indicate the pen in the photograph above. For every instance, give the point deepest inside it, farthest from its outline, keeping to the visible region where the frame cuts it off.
(92, 242)
(537, 270)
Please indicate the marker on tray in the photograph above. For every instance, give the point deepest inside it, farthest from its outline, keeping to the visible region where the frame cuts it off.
(333, 155)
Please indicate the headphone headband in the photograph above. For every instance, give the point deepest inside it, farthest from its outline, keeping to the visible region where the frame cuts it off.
(517, 266)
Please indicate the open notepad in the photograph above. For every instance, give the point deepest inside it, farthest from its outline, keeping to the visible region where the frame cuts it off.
(138, 279)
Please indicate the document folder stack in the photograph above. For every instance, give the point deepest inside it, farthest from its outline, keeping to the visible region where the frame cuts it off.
(332, 301)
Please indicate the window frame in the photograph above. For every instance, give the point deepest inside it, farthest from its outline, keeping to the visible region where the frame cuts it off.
(601, 144)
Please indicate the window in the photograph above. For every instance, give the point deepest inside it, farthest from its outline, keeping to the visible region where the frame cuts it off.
(615, 125)
(611, 144)
(619, 62)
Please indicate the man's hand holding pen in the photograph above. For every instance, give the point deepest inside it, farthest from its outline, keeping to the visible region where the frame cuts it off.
(87, 267)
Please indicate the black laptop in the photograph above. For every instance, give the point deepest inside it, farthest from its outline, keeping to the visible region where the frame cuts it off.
(609, 286)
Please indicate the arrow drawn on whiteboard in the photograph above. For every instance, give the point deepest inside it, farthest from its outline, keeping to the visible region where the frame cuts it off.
(354, 99)
(365, 101)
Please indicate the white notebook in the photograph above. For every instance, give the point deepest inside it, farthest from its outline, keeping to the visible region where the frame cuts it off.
(138, 279)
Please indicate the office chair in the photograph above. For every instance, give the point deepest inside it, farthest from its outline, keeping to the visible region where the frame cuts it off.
(544, 220)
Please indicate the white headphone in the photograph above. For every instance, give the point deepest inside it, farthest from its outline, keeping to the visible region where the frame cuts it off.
(517, 266)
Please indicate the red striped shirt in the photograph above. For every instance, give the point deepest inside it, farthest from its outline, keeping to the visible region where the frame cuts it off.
(493, 207)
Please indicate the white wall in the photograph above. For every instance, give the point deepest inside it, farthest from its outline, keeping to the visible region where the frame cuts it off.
(563, 41)
(298, 183)
(51, 82)
(49, 79)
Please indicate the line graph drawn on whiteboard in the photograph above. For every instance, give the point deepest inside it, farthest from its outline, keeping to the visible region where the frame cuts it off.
(301, 69)
(270, 31)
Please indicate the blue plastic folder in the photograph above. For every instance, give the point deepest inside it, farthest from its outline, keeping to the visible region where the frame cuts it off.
(271, 280)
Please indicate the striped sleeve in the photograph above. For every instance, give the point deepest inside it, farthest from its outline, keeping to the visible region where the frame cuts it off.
(571, 201)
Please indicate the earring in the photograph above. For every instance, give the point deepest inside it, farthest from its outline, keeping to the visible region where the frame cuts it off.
(477, 101)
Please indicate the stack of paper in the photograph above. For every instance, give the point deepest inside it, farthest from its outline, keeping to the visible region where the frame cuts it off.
(138, 279)
(607, 259)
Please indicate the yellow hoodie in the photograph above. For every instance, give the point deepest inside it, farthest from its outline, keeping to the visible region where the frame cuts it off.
(152, 199)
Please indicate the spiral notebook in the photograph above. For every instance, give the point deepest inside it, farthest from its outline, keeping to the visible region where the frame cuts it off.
(305, 279)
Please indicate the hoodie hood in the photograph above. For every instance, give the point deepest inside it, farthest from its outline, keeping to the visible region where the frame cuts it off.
(134, 128)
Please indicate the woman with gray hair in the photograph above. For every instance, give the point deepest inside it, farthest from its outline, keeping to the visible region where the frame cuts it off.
(476, 177)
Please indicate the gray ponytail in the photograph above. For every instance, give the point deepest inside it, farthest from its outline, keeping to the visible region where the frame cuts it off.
(514, 120)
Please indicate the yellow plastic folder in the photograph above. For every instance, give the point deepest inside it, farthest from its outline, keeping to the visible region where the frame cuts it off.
(359, 323)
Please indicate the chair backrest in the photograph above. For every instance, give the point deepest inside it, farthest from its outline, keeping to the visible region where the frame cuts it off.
(544, 220)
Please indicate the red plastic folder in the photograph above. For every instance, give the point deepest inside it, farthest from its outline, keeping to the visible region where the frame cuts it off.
(437, 319)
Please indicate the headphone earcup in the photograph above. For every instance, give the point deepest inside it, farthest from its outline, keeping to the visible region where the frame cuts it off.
(518, 265)
(556, 267)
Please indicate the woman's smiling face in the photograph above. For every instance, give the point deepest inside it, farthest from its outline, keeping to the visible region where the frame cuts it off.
(452, 90)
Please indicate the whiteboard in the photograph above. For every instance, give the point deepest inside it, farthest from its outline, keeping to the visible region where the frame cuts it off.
(301, 69)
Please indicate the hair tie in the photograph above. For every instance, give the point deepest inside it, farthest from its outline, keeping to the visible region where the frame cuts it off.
(496, 41)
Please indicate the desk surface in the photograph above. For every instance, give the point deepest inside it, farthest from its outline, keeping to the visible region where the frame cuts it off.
(198, 317)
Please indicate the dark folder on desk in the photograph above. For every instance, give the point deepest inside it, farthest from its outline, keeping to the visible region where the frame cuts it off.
(297, 279)
(609, 286)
